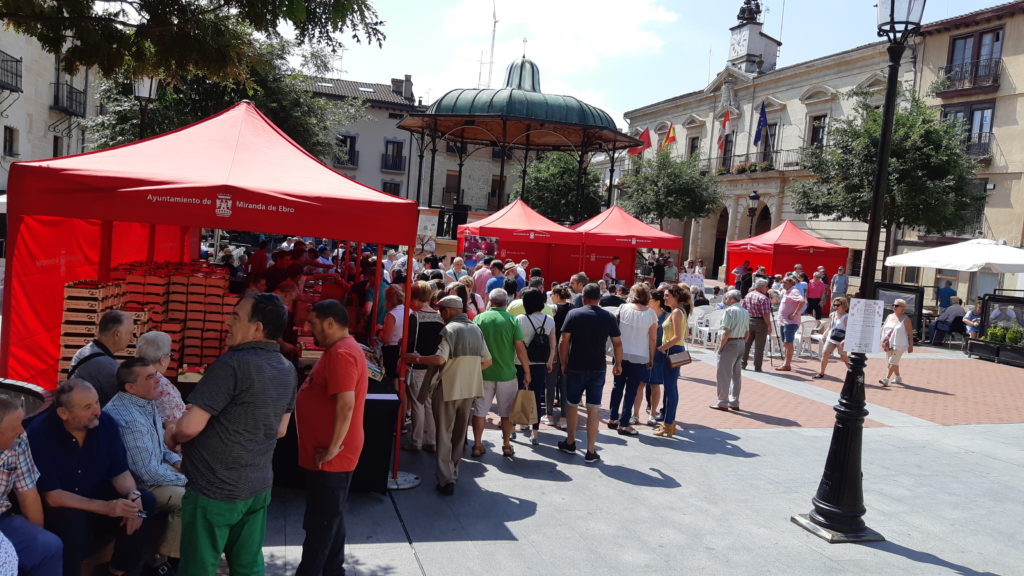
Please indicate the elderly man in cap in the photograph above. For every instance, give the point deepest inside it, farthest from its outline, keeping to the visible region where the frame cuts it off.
(512, 271)
(462, 356)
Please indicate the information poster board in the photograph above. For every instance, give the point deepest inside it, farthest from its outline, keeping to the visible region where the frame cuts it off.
(864, 326)
(693, 280)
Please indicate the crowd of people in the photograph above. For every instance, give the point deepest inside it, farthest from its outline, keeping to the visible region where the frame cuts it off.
(122, 463)
(476, 341)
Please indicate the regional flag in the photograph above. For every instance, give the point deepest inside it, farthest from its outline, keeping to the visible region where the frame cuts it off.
(762, 125)
(645, 138)
(669, 138)
(723, 132)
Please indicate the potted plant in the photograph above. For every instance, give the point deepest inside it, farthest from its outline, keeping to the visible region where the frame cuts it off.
(767, 167)
(753, 167)
(988, 347)
(741, 169)
(722, 171)
(996, 334)
(1012, 352)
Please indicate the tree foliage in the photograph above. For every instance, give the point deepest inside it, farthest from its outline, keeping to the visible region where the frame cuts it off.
(179, 38)
(663, 187)
(279, 91)
(929, 171)
(552, 188)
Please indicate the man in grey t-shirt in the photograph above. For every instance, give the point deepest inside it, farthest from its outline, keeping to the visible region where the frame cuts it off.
(840, 283)
(236, 414)
(95, 362)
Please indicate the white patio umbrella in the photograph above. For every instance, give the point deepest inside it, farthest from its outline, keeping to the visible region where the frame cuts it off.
(978, 255)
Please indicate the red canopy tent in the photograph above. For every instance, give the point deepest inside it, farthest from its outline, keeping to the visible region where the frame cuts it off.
(76, 217)
(784, 246)
(616, 232)
(523, 233)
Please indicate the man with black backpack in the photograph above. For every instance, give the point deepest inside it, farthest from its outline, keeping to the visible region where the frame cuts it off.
(539, 334)
(95, 362)
(504, 340)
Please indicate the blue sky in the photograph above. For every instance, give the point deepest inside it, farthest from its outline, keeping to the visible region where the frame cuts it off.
(615, 54)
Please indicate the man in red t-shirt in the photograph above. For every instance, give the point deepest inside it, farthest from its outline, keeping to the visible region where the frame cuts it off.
(329, 419)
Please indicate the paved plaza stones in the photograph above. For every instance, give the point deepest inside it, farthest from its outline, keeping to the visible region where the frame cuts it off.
(943, 470)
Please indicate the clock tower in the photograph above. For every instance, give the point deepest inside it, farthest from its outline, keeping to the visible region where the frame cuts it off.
(751, 50)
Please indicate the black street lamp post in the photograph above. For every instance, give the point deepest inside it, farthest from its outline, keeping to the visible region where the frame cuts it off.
(838, 510)
(752, 202)
(145, 93)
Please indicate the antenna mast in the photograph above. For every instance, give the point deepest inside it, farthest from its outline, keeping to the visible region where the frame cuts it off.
(494, 32)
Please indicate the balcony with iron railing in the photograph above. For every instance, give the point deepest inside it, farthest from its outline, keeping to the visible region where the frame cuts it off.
(68, 99)
(392, 163)
(755, 162)
(349, 159)
(980, 144)
(974, 77)
(10, 72)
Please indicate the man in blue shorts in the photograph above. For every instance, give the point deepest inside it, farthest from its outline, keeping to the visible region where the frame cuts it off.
(789, 318)
(582, 352)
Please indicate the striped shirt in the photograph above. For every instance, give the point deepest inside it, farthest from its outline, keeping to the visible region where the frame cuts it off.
(17, 471)
(736, 321)
(246, 392)
(142, 435)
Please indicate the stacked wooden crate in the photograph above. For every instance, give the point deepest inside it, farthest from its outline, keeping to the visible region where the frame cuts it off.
(85, 301)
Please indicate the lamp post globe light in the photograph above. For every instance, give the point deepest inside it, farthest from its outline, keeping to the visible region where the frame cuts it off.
(752, 202)
(145, 94)
(838, 505)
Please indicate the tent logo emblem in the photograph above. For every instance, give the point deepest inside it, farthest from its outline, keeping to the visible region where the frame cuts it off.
(531, 236)
(223, 205)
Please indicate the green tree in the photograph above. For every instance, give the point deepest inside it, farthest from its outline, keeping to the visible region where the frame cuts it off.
(930, 171)
(552, 188)
(278, 90)
(179, 38)
(663, 187)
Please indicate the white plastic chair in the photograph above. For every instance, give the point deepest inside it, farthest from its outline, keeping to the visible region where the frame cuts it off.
(696, 319)
(708, 333)
(818, 336)
(804, 343)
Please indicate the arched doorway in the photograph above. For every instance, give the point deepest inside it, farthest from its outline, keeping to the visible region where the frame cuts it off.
(721, 236)
(764, 221)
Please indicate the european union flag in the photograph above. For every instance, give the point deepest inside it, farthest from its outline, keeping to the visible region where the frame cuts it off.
(762, 124)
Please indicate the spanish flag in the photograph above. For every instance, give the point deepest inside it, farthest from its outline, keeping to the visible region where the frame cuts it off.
(670, 137)
(723, 133)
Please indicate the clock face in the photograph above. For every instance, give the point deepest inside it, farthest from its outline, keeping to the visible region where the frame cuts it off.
(738, 43)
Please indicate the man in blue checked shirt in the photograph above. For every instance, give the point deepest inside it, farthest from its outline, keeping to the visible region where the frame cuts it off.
(155, 466)
(39, 551)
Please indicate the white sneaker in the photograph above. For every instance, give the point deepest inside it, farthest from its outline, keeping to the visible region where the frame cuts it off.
(884, 381)
(897, 380)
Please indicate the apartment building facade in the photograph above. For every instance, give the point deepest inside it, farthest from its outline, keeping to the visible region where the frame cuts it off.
(41, 107)
(376, 153)
(968, 69)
